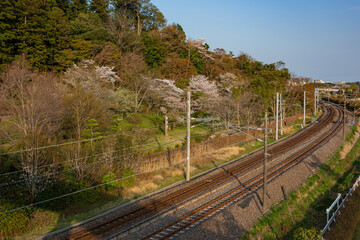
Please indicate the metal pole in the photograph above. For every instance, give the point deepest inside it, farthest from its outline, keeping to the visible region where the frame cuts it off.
(265, 162)
(344, 117)
(304, 108)
(277, 117)
(188, 123)
(281, 115)
(166, 125)
(315, 102)
(355, 114)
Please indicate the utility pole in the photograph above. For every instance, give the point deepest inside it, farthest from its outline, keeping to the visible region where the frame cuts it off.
(265, 162)
(344, 117)
(277, 117)
(304, 108)
(281, 115)
(188, 122)
(315, 102)
(354, 114)
(166, 125)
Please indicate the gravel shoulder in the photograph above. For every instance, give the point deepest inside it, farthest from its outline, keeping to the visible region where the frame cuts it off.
(235, 219)
(238, 218)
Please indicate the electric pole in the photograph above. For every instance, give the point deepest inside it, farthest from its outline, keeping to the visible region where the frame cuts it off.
(166, 125)
(188, 122)
(315, 102)
(354, 114)
(265, 161)
(281, 115)
(277, 117)
(344, 117)
(304, 108)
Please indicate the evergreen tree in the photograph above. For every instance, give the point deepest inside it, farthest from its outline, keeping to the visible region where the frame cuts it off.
(58, 30)
(31, 31)
(100, 7)
(8, 23)
(76, 7)
(144, 14)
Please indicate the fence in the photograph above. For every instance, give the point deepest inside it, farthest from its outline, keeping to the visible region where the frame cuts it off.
(338, 203)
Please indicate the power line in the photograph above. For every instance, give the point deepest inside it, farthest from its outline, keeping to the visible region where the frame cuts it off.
(82, 166)
(86, 189)
(100, 185)
(91, 164)
(103, 153)
(95, 155)
(77, 141)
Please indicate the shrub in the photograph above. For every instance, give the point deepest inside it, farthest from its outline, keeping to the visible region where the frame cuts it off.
(128, 182)
(14, 222)
(110, 177)
(134, 119)
(55, 190)
(88, 196)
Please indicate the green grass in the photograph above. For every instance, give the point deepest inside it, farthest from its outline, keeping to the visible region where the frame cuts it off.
(306, 206)
(108, 202)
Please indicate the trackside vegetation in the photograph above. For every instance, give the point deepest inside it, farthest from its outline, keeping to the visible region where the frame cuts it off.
(303, 215)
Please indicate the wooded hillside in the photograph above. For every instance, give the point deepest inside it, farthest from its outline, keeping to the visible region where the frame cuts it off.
(85, 86)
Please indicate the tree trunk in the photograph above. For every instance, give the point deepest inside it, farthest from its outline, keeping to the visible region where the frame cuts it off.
(138, 23)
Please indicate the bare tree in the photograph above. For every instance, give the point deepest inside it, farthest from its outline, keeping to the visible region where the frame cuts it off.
(34, 103)
(131, 72)
(81, 106)
(123, 33)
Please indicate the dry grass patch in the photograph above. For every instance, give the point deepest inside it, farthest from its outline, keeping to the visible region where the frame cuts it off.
(227, 153)
(287, 130)
(157, 178)
(139, 189)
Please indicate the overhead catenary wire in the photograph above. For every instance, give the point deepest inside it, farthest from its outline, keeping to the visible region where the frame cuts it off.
(91, 164)
(81, 166)
(110, 182)
(103, 153)
(77, 141)
(90, 156)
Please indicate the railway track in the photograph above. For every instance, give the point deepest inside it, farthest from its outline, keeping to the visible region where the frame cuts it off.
(199, 187)
(208, 209)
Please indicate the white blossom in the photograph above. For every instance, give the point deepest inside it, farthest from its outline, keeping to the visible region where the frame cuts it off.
(202, 84)
(172, 97)
(199, 45)
(107, 72)
(227, 81)
(90, 76)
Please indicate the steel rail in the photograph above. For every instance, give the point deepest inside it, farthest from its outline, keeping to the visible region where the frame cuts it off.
(200, 186)
(209, 208)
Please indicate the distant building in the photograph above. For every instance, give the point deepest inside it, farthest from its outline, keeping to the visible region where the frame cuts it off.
(334, 90)
(319, 81)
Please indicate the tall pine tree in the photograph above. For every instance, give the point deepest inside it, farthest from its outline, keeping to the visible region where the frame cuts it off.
(8, 23)
(100, 7)
(32, 33)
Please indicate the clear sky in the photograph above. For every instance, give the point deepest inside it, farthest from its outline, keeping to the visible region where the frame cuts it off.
(315, 38)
